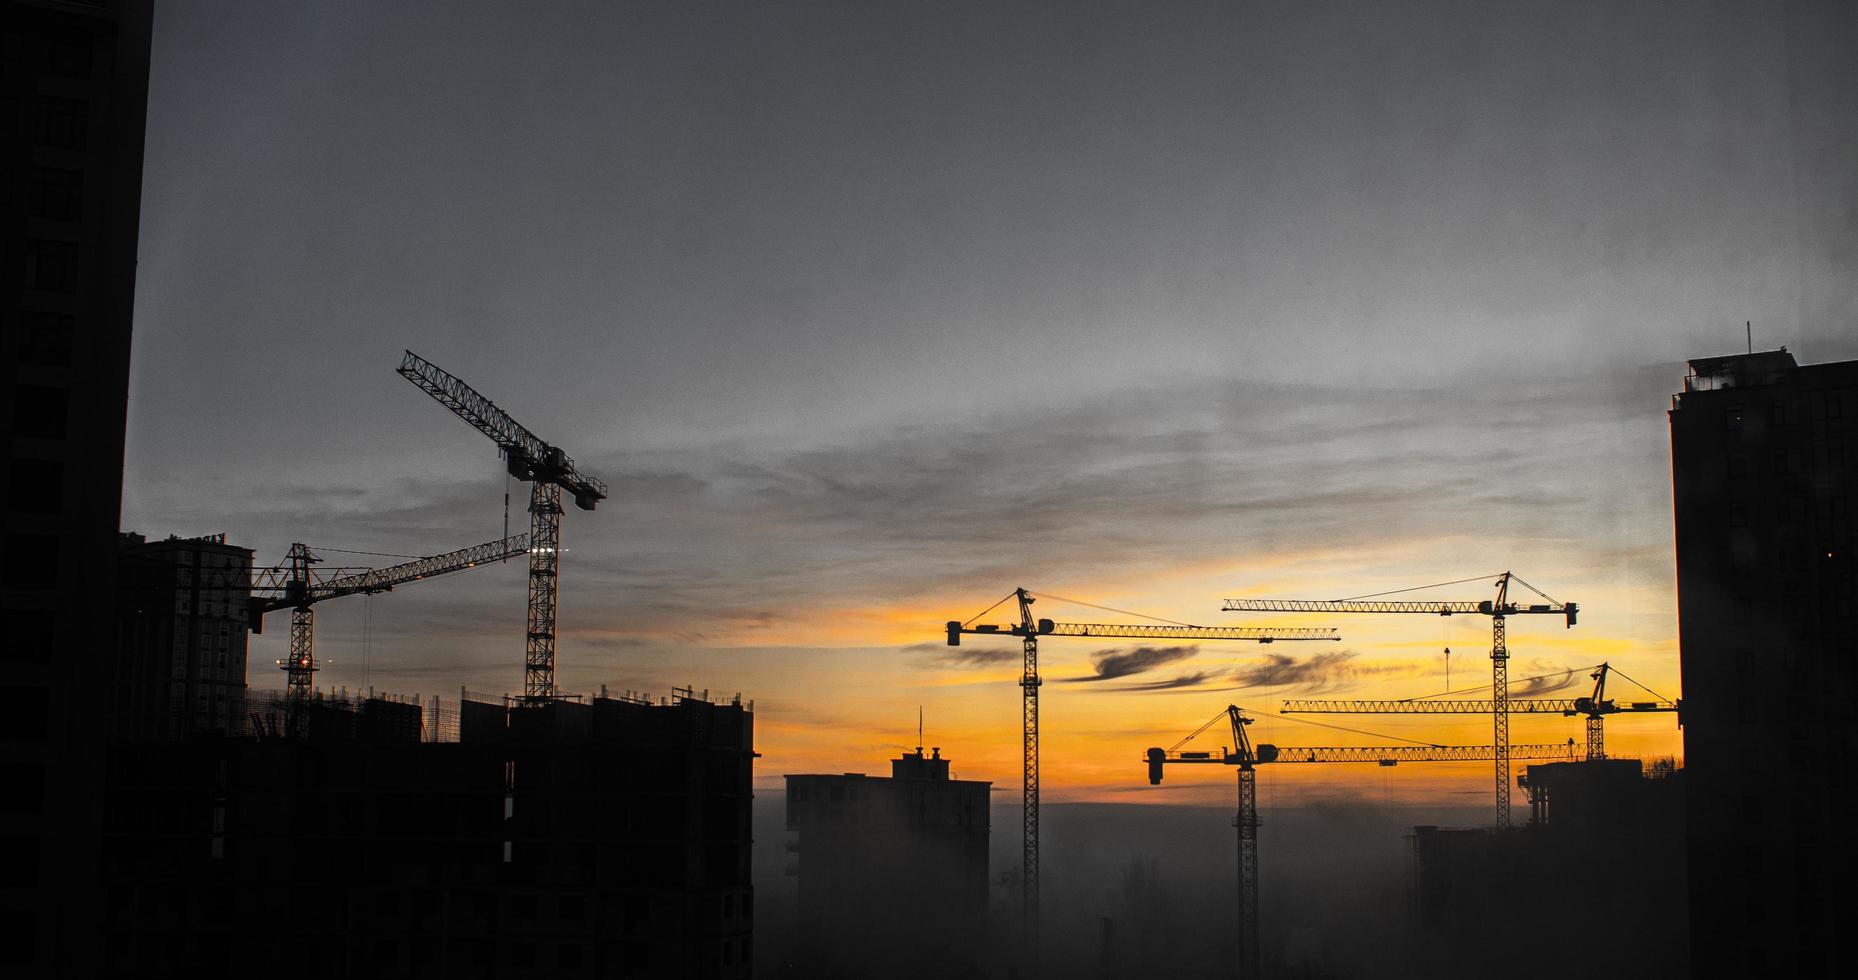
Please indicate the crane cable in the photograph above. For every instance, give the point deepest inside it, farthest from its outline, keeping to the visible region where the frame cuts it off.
(1359, 731)
(1210, 722)
(989, 609)
(376, 554)
(1075, 602)
(1303, 721)
(1519, 680)
(1419, 588)
(1437, 585)
(1124, 612)
(1618, 673)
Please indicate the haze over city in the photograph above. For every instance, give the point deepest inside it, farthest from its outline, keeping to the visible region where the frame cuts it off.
(969, 491)
(870, 317)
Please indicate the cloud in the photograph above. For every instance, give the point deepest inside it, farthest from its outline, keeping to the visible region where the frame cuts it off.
(1176, 683)
(1547, 679)
(1280, 670)
(1115, 663)
(1315, 673)
(944, 655)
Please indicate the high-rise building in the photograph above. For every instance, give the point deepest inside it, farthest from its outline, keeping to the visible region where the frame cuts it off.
(1601, 860)
(1763, 451)
(73, 97)
(600, 838)
(182, 622)
(890, 869)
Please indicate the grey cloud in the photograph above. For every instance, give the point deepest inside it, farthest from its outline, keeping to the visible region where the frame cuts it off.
(1280, 670)
(1176, 683)
(729, 535)
(1112, 664)
(966, 656)
(1309, 674)
(1546, 679)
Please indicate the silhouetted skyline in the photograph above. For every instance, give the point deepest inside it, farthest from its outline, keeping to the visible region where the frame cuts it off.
(871, 315)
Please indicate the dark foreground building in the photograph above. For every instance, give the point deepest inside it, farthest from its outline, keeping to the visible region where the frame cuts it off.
(892, 872)
(1598, 869)
(73, 96)
(1763, 452)
(181, 627)
(599, 839)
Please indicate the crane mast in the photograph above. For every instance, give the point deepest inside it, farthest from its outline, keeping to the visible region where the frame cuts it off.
(1029, 630)
(1498, 610)
(549, 471)
(297, 585)
(1245, 758)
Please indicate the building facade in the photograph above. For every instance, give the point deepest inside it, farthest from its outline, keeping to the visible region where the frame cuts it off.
(182, 626)
(1599, 869)
(73, 97)
(607, 838)
(891, 869)
(1763, 451)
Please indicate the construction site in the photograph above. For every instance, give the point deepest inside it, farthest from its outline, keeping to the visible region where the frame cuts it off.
(221, 760)
(549, 833)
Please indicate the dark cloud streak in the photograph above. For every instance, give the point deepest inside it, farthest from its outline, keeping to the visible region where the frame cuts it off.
(1113, 664)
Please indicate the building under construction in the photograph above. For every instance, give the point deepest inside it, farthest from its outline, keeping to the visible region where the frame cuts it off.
(890, 870)
(1599, 866)
(604, 837)
(181, 630)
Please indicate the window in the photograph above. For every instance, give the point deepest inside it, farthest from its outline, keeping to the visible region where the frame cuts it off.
(1735, 416)
(68, 58)
(30, 636)
(28, 714)
(63, 123)
(51, 266)
(35, 486)
(1831, 408)
(1738, 465)
(21, 868)
(44, 338)
(25, 783)
(40, 411)
(1738, 514)
(39, 570)
(56, 194)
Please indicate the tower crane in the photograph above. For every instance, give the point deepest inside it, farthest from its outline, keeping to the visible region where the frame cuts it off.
(1498, 610)
(1595, 707)
(1246, 757)
(548, 471)
(298, 585)
(1029, 630)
